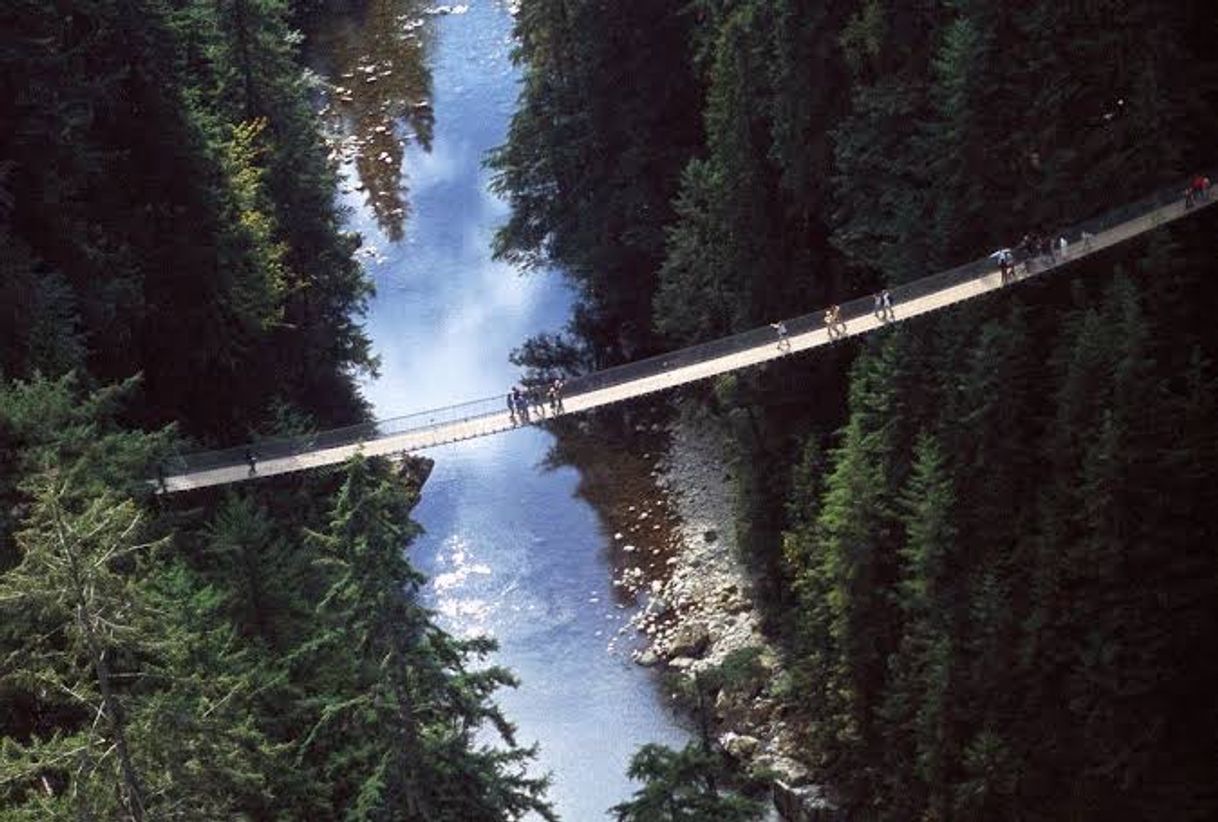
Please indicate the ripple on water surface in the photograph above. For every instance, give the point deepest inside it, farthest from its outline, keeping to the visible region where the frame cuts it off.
(516, 556)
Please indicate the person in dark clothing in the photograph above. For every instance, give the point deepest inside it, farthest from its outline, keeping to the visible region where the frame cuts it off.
(522, 406)
(886, 305)
(251, 461)
(160, 478)
(1006, 262)
(511, 404)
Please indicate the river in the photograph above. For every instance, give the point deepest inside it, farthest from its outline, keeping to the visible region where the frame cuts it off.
(421, 93)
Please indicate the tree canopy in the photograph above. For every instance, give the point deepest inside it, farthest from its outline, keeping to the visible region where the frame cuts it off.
(980, 535)
(172, 269)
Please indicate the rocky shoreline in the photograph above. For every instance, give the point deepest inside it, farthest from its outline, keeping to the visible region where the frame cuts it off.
(703, 612)
(662, 485)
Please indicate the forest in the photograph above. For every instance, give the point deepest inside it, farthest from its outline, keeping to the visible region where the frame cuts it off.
(982, 537)
(174, 273)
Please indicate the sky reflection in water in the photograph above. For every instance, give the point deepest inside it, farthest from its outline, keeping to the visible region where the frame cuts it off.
(509, 549)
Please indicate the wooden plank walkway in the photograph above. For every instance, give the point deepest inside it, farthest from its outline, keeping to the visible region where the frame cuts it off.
(429, 434)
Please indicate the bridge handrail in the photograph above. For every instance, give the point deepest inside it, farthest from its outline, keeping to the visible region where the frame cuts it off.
(861, 306)
(486, 407)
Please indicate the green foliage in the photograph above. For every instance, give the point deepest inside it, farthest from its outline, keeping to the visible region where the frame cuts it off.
(56, 425)
(681, 786)
(590, 171)
(396, 728)
(170, 251)
(1040, 650)
(751, 214)
(153, 211)
(280, 668)
(41, 328)
(132, 721)
(998, 563)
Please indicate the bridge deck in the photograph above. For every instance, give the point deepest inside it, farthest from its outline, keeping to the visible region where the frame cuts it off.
(480, 419)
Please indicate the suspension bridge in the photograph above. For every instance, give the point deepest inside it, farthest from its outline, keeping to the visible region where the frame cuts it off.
(487, 416)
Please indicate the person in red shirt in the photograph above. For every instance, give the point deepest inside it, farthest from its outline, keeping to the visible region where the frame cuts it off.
(1198, 189)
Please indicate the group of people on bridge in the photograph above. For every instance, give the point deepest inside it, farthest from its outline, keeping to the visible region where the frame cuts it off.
(1034, 247)
(1198, 191)
(834, 324)
(523, 403)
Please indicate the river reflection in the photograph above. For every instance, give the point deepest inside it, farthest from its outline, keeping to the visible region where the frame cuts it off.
(378, 99)
(510, 550)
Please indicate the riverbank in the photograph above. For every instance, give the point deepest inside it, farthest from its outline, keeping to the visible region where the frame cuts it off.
(703, 614)
(662, 486)
(661, 483)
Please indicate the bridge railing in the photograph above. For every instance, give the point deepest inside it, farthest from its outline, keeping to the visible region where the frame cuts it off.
(287, 447)
(1168, 200)
(862, 306)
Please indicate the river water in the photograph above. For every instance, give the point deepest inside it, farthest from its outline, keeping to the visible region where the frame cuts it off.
(421, 94)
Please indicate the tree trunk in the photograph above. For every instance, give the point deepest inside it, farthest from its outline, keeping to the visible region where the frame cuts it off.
(85, 620)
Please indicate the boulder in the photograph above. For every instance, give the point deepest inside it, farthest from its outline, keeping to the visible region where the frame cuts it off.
(658, 606)
(739, 746)
(737, 605)
(762, 710)
(646, 658)
(788, 770)
(690, 639)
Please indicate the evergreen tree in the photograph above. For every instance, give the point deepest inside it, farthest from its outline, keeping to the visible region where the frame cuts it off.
(919, 704)
(589, 171)
(396, 728)
(680, 786)
(128, 727)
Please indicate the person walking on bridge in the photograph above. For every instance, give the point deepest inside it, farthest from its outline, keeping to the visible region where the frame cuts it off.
(1006, 263)
(883, 306)
(833, 320)
(1198, 190)
(522, 405)
(511, 404)
(780, 328)
(251, 461)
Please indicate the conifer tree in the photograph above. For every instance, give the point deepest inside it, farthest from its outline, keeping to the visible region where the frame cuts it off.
(66, 578)
(130, 725)
(920, 701)
(680, 786)
(398, 718)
